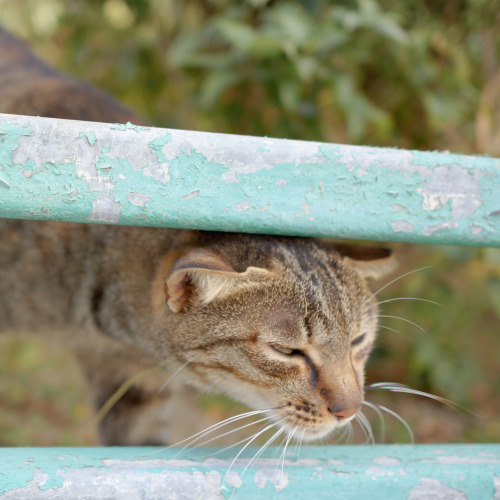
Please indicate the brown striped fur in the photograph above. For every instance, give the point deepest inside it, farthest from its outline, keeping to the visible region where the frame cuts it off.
(275, 322)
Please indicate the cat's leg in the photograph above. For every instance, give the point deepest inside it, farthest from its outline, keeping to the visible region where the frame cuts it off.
(147, 412)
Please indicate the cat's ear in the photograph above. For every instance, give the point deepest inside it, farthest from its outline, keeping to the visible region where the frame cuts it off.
(370, 262)
(201, 275)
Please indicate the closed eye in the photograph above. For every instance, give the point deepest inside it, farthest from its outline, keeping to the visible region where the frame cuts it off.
(358, 340)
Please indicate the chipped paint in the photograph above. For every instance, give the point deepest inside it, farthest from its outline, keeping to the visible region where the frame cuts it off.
(496, 485)
(88, 172)
(432, 489)
(277, 477)
(398, 472)
(402, 226)
(138, 199)
(386, 461)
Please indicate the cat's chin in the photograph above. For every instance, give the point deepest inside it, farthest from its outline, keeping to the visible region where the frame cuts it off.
(308, 432)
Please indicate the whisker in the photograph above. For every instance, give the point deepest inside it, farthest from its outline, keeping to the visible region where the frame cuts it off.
(232, 431)
(346, 435)
(393, 281)
(366, 423)
(391, 329)
(235, 444)
(283, 454)
(401, 419)
(279, 446)
(254, 437)
(300, 444)
(362, 427)
(350, 433)
(401, 388)
(199, 435)
(204, 391)
(262, 448)
(410, 298)
(174, 374)
(376, 409)
(403, 319)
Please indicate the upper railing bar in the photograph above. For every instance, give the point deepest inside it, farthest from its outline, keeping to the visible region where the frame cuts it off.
(66, 170)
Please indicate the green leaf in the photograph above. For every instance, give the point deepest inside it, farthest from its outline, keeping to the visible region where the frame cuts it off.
(265, 47)
(237, 33)
(214, 85)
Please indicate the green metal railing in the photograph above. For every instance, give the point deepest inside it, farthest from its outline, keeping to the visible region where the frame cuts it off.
(122, 174)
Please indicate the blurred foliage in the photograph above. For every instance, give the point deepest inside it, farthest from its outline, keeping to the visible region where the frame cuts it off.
(416, 74)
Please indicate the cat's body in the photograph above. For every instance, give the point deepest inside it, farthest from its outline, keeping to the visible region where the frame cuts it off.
(281, 324)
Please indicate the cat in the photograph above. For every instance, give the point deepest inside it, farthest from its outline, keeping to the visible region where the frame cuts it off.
(282, 324)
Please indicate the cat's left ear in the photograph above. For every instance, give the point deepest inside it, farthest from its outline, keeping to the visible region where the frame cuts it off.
(199, 275)
(374, 263)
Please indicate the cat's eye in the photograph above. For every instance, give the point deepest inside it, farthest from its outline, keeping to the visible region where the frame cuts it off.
(358, 340)
(283, 350)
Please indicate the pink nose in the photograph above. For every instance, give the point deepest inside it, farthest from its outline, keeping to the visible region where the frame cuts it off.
(341, 414)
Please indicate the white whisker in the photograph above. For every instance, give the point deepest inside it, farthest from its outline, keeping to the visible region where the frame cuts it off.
(262, 448)
(410, 298)
(255, 436)
(393, 281)
(376, 409)
(199, 435)
(391, 329)
(366, 423)
(300, 443)
(350, 434)
(235, 444)
(403, 319)
(401, 419)
(401, 388)
(233, 431)
(174, 374)
(362, 427)
(283, 454)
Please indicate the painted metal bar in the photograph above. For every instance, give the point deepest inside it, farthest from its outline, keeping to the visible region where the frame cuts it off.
(349, 472)
(124, 174)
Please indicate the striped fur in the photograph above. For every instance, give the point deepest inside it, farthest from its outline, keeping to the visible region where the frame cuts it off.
(281, 323)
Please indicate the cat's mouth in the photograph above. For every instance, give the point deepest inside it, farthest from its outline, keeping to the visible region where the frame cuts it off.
(308, 421)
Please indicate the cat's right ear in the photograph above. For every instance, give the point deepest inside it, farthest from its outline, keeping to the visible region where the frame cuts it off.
(369, 262)
(199, 275)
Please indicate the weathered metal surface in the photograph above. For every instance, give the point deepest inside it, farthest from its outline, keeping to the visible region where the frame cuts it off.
(348, 472)
(123, 174)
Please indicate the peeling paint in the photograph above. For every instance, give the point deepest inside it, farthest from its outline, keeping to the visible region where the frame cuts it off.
(373, 472)
(398, 208)
(275, 476)
(138, 199)
(432, 489)
(105, 209)
(386, 461)
(429, 230)
(242, 206)
(402, 226)
(191, 195)
(466, 460)
(496, 485)
(398, 472)
(193, 179)
(475, 229)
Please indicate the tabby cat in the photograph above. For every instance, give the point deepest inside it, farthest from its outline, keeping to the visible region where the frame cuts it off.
(284, 325)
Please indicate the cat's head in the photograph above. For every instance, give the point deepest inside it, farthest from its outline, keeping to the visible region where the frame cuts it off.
(277, 323)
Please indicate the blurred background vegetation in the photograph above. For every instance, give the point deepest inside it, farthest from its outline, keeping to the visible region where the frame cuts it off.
(415, 74)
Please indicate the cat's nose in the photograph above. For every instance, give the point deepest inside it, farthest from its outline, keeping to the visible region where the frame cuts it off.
(341, 414)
